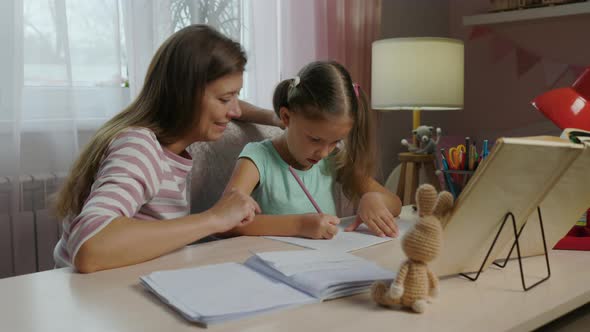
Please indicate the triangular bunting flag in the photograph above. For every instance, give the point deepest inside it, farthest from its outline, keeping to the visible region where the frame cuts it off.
(500, 48)
(525, 60)
(553, 72)
(478, 31)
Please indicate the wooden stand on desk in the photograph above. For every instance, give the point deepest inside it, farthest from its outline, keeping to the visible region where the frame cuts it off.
(410, 170)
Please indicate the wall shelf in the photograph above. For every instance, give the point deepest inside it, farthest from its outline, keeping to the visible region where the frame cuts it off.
(578, 8)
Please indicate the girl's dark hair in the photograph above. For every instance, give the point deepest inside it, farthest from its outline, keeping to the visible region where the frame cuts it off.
(326, 89)
(169, 102)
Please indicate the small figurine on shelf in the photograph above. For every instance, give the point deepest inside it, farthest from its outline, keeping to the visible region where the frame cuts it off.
(425, 143)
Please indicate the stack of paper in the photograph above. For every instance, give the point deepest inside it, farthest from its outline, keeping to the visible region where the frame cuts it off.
(266, 282)
(323, 274)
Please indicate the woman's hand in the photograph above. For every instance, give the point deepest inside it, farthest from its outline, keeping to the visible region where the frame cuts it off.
(318, 226)
(374, 213)
(233, 209)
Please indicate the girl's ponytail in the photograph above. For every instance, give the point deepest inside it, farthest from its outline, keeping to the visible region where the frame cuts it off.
(356, 162)
(280, 97)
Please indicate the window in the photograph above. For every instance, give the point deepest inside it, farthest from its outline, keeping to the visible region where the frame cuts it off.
(75, 55)
(73, 43)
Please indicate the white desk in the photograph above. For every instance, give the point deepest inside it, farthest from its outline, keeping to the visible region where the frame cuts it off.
(113, 300)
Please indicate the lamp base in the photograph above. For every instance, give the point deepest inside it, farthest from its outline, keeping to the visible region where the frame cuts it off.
(416, 118)
(415, 123)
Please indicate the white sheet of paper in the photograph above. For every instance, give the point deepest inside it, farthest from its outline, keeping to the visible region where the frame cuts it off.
(222, 289)
(350, 241)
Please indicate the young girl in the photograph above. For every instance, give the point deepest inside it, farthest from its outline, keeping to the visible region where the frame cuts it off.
(327, 140)
(132, 174)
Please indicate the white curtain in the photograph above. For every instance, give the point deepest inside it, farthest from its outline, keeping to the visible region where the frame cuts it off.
(62, 65)
(67, 66)
(255, 24)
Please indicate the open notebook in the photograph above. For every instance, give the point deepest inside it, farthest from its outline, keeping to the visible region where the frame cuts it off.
(519, 175)
(265, 282)
(350, 241)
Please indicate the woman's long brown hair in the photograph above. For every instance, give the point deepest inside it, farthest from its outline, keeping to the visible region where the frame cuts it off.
(168, 104)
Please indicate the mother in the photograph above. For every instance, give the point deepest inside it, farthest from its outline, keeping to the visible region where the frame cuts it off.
(125, 201)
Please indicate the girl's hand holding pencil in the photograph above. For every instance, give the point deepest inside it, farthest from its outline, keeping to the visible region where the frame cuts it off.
(318, 226)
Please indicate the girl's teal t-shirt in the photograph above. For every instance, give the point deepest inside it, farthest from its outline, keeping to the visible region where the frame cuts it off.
(279, 193)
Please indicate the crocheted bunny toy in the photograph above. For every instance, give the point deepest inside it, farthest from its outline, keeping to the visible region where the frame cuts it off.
(415, 283)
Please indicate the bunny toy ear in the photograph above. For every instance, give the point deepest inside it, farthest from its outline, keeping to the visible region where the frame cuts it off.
(426, 197)
(444, 205)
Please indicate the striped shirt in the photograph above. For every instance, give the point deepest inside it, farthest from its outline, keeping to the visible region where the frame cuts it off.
(138, 178)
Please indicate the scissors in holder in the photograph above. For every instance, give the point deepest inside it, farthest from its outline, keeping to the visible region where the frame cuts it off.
(457, 157)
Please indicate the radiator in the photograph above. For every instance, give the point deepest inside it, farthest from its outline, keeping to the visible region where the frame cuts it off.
(28, 230)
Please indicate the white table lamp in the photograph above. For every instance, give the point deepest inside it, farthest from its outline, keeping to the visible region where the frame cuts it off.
(422, 73)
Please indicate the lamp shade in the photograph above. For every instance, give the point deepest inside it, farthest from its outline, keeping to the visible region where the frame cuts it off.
(417, 73)
(568, 107)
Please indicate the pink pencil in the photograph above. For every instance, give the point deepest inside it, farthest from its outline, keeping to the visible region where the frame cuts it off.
(315, 205)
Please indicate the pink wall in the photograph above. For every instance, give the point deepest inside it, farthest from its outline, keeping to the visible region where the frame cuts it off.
(497, 101)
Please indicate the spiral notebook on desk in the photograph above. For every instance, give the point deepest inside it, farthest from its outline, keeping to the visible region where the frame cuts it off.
(265, 282)
(519, 175)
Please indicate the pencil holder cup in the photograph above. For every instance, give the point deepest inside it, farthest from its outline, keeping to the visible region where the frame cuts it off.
(456, 180)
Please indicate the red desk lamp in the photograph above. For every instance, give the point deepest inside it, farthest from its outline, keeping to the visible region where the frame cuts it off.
(570, 108)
